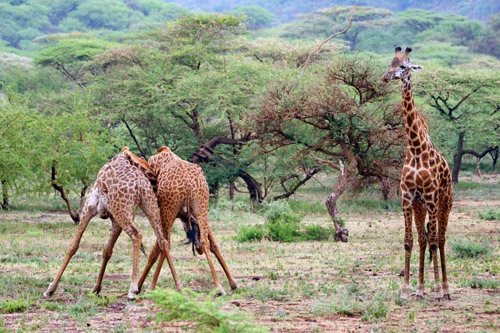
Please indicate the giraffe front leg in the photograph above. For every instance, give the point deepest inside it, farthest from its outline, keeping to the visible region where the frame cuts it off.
(433, 247)
(408, 245)
(419, 214)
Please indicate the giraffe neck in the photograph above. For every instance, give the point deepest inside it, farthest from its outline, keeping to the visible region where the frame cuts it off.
(416, 129)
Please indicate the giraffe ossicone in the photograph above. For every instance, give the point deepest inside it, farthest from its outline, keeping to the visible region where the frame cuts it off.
(425, 185)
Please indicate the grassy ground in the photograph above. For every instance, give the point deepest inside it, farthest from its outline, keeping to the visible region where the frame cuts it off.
(302, 286)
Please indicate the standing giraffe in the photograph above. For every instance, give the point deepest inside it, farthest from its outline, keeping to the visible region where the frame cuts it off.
(183, 192)
(425, 185)
(122, 183)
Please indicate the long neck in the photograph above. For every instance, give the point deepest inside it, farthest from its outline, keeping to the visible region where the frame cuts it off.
(416, 130)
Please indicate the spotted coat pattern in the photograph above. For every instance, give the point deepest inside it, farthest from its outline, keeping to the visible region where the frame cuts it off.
(120, 187)
(425, 185)
(183, 192)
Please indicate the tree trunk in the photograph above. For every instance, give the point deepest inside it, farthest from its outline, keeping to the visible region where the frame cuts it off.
(341, 233)
(5, 196)
(385, 185)
(478, 166)
(74, 214)
(494, 157)
(253, 186)
(457, 158)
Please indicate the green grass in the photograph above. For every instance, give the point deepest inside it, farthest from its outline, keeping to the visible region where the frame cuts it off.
(490, 214)
(350, 301)
(15, 305)
(465, 248)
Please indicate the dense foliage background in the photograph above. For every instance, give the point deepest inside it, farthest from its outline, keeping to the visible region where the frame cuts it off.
(82, 78)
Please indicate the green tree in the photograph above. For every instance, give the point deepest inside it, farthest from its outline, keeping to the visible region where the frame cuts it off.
(255, 16)
(465, 104)
(324, 22)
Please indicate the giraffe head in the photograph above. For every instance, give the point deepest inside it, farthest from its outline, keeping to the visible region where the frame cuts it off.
(400, 66)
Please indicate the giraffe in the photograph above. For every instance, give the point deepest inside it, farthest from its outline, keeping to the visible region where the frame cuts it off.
(121, 184)
(183, 192)
(425, 185)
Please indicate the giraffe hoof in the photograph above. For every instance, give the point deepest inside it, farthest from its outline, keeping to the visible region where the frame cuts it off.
(47, 294)
(447, 297)
(233, 285)
(96, 290)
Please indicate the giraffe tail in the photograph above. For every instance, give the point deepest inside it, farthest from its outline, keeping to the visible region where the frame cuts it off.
(191, 232)
(427, 239)
(143, 250)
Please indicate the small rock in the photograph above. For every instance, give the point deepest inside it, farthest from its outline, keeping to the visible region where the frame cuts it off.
(236, 303)
(256, 278)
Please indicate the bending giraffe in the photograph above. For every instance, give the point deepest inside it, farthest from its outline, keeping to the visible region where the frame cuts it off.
(425, 185)
(183, 192)
(122, 183)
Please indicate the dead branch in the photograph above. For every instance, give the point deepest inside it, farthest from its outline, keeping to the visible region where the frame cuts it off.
(329, 38)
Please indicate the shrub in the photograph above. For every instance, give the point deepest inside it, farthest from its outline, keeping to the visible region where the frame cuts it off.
(490, 214)
(318, 233)
(280, 211)
(468, 249)
(250, 233)
(283, 231)
(484, 283)
(204, 313)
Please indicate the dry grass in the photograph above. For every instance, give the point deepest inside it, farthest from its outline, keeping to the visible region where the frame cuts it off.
(301, 286)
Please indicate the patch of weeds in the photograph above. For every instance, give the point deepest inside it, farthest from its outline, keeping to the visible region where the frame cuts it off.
(15, 305)
(375, 309)
(484, 283)
(204, 313)
(490, 214)
(266, 293)
(351, 302)
(272, 275)
(102, 301)
(250, 234)
(50, 306)
(82, 309)
(465, 248)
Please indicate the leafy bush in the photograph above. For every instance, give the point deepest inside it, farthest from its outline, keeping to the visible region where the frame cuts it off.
(467, 249)
(318, 233)
(250, 233)
(280, 211)
(283, 225)
(283, 230)
(204, 313)
(490, 214)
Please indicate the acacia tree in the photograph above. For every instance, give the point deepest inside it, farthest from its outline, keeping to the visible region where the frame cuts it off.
(341, 115)
(322, 22)
(466, 105)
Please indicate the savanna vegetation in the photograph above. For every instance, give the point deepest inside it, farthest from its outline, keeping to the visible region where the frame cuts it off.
(81, 79)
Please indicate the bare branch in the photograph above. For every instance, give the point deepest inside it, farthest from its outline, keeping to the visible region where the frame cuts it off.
(329, 38)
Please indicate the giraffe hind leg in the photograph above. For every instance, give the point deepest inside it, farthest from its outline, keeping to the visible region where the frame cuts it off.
(443, 214)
